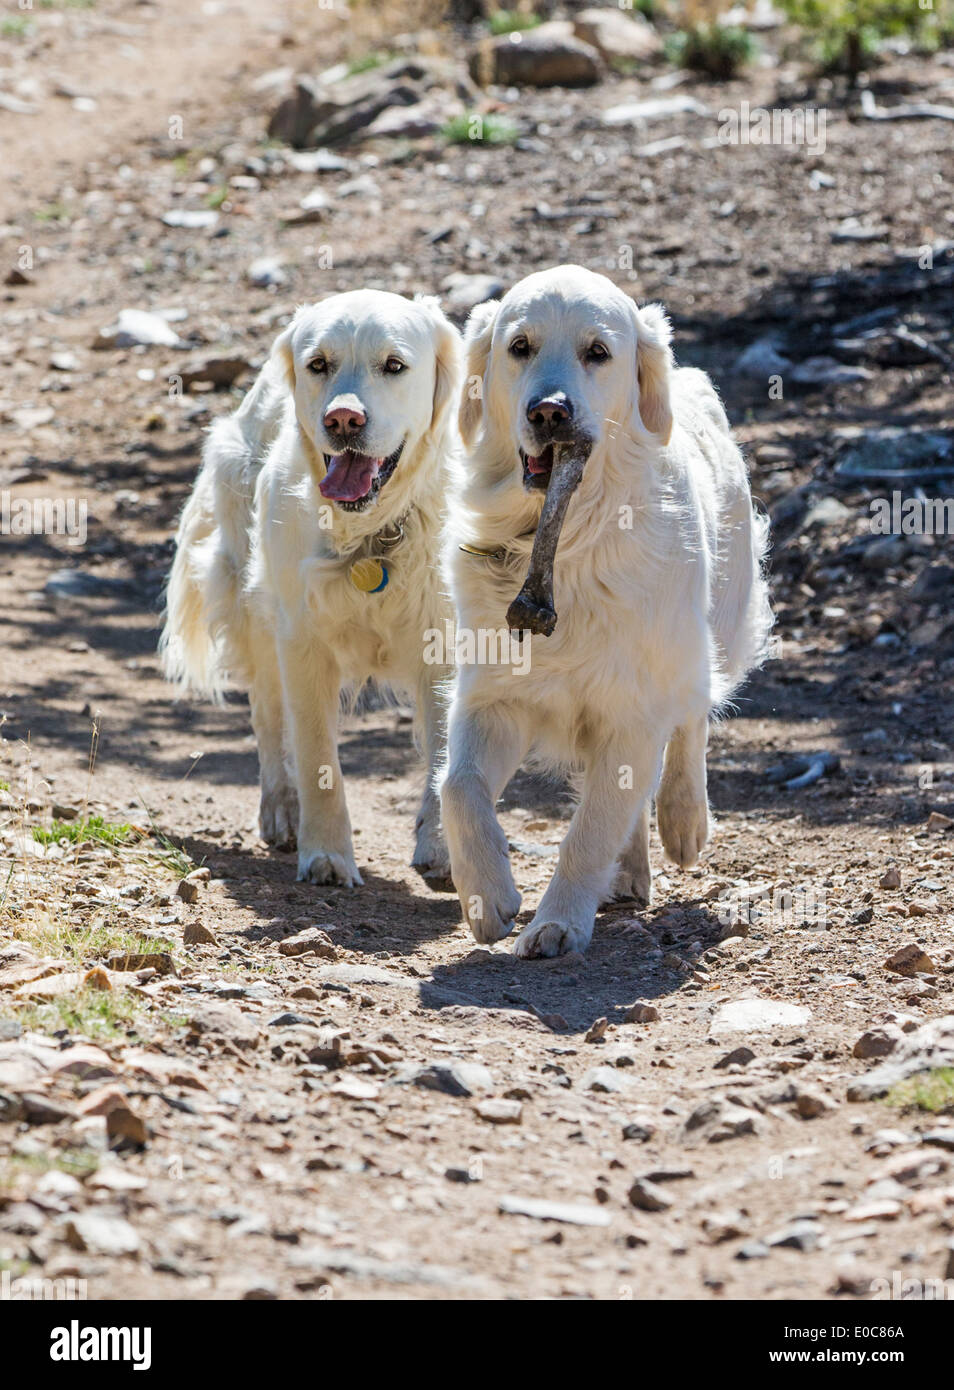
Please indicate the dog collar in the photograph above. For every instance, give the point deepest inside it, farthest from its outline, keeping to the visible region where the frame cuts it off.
(370, 574)
(497, 553)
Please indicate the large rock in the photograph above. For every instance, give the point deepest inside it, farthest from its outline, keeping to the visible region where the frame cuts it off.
(544, 57)
(618, 36)
(319, 112)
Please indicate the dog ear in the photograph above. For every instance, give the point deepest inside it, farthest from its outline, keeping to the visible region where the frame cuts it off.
(281, 357)
(448, 356)
(653, 368)
(477, 339)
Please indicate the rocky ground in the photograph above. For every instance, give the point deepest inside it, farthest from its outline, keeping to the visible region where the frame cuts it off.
(215, 1082)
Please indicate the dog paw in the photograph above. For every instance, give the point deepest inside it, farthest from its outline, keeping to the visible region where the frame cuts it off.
(431, 859)
(323, 866)
(490, 914)
(544, 939)
(631, 885)
(683, 829)
(278, 817)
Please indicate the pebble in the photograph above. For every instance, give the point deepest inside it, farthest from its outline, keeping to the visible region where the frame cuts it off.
(265, 272)
(641, 1013)
(800, 1235)
(648, 1197)
(453, 1078)
(100, 1234)
(602, 1079)
(571, 1213)
(877, 1042)
(810, 1104)
(198, 934)
(311, 941)
(739, 1057)
(910, 959)
(755, 1015)
(500, 1112)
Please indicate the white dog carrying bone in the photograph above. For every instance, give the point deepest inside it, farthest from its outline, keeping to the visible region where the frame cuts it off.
(582, 432)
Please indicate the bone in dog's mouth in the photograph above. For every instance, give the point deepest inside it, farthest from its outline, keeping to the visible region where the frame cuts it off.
(532, 610)
(353, 480)
(537, 468)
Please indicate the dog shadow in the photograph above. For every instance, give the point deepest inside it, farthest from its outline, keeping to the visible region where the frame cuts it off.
(631, 958)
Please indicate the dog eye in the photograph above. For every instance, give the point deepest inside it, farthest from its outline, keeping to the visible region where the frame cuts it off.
(395, 366)
(520, 347)
(597, 353)
(318, 365)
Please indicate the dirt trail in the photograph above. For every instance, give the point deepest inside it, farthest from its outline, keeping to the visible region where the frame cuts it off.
(308, 1134)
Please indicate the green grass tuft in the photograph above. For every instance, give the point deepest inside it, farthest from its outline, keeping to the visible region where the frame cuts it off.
(79, 832)
(932, 1091)
(718, 50)
(512, 21)
(469, 128)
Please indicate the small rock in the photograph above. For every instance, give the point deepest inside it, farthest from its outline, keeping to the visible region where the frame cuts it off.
(194, 219)
(800, 1235)
(100, 1234)
(739, 1057)
(890, 878)
(571, 1213)
(453, 1078)
(542, 57)
(648, 1197)
(187, 890)
(500, 1112)
(720, 1226)
(877, 1042)
(910, 959)
(602, 1079)
(198, 934)
(311, 941)
(125, 1129)
(641, 1013)
(265, 272)
(136, 327)
(810, 1104)
(640, 1130)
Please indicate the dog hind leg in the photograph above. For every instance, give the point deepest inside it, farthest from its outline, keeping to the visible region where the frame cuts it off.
(682, 810)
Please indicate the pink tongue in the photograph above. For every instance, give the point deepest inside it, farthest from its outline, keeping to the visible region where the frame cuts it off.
(538, 463)
(349, 477)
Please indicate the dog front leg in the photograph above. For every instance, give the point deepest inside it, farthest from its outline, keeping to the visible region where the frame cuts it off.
(616, 787)
(278, 810)
(311, 685)
(430, 848)
(485, 747)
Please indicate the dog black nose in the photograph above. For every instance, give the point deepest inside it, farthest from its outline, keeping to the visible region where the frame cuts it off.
(549, 412)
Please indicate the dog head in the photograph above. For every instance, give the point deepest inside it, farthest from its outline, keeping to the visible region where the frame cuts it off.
(374, 377)
(562, 358)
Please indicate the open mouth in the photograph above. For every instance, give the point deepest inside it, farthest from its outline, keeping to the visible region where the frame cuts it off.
(353, 480)
(537, 467)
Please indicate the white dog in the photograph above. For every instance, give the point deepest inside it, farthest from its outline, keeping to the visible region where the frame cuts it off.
(305, 559)
(660, 604)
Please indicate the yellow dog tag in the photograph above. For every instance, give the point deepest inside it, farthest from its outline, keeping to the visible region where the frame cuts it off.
(370, 576)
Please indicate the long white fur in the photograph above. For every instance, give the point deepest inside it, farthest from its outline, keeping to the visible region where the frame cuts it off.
(662, 606)
(260, 590)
